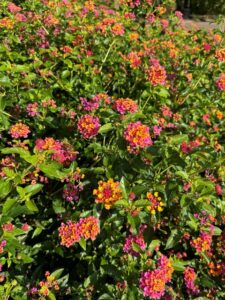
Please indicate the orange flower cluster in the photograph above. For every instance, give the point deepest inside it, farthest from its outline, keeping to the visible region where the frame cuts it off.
(6, 22)
(220, 54)
(134, 59)
(153, 282)
(19, 130)
(156, 75)
(107, 193)
(216, 269)
(118, 29)
(138, 136)
(89, 227)
(221, 82)
(71, 232)
(203, 242)
(125, 105)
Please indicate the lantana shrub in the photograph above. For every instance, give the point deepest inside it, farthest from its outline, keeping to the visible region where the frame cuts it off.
(112, 160)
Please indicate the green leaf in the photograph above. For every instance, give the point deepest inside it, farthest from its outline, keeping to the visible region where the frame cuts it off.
(16, 150)
(5, 81)
(31, 205)
(182, 174)
(134, 222)
(141, 203)
(65, 74)
(179, 265)
(136, 248)
(216, 231)
(57, 273)
(82, 243)
(123, 188)
(9, 203)
(122, 202)
(98, 170)
(26, 258)
(51, 296)
(5, 188)
(206, 282)
(153, 245)
(173, 239)
(193, 223)
(37, 232)
(106, 128)
(33, 189)
(52, 170)
(58, 207)
(178, 139)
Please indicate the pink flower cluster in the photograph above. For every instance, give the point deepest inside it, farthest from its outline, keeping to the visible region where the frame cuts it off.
(88, 126)
(203, 242)
(137, 135)
(71, 192)
(8, 227)
(13, 8)
(118, 29)
(32, 109)
(136, 239)
(71, 232)
(19, 130)
(134, 59)
(189, 279)
(125, 105)
(153, 282)
(62, 151)
(94, 102)
(221, 82)
(90, 105)
(156, 73)
(2, 245)
(187, 147)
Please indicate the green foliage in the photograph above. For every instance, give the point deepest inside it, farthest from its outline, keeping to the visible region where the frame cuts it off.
(88, 209)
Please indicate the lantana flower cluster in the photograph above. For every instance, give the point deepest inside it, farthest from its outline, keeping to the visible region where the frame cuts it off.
(153, 282)
(138, 136)
(19, 130)
(126, 105)
(72, 232)
(108, 193)
(156, 204)
(88, 126)
(62, 151)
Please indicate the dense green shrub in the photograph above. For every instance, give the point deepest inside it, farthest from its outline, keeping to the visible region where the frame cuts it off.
(112, 160)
